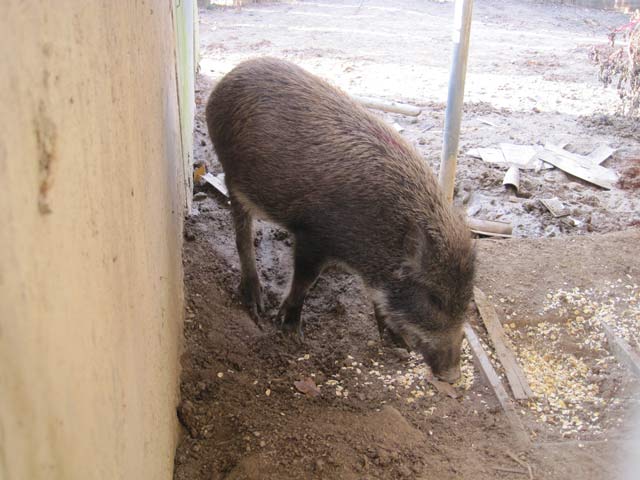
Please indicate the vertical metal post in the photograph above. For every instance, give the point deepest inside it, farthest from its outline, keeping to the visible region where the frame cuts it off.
(455, 98)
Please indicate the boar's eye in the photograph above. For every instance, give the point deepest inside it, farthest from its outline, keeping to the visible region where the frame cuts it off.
(436, 301)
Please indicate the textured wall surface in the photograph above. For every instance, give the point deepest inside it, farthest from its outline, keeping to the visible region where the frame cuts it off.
(92, 195)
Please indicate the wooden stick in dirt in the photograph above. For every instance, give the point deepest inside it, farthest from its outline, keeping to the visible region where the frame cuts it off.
(513, 457)
(385, 106)
(515, 375)
(510, 470)
(491, 377)
(622, 350)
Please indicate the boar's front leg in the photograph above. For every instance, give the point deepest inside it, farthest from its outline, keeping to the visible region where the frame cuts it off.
(309, 259)
(395, 339)
(382, 326)
(250, 293)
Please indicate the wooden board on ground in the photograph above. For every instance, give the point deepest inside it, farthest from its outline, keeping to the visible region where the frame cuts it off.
(579, 166)
(555, 206)
(502, 345)
(489, 155)
(394, 107)
(491, 377)
(622, 350)
(217, 182)
(519, 155)
(525, 157)
(601, 153)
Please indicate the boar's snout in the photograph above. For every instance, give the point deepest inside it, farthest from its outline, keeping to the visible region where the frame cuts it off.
(443, 355)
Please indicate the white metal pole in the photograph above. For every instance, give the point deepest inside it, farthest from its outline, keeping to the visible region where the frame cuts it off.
(461, 29)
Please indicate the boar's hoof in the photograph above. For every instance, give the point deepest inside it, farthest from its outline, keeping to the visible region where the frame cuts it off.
(251, 298)
(293, 331)
(288, 318)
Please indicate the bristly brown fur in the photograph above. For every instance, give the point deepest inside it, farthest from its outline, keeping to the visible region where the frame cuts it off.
(350, 189)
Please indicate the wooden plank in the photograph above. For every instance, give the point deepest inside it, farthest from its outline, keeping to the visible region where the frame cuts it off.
(489, 155)
(579, 159)
(600, 154)
(579, 166)
(491, 377)
(502, 345)
(622, 350)
(217, 182)
(520, 155)
(555, 206)
(510, 155)
(394, 107)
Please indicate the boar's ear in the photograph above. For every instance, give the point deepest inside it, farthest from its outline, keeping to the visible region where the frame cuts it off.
(413, 246)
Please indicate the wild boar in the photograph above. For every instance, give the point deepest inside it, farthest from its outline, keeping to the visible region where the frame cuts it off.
(301, 153)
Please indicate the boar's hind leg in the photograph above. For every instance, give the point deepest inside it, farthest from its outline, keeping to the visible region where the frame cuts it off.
(249, 282)
(308, 263)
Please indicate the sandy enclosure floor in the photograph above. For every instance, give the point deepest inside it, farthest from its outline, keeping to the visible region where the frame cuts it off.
(529, 82)
(376, 416)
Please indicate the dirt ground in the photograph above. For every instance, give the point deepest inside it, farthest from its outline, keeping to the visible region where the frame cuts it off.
(529, 82)
(377, 416)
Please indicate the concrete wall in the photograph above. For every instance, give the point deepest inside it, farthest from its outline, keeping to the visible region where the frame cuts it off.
(92, 195)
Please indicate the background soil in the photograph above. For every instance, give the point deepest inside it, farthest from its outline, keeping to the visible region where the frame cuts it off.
(376, 415)
(529, 81)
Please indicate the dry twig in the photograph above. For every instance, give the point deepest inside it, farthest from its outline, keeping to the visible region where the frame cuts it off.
(522, 463)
